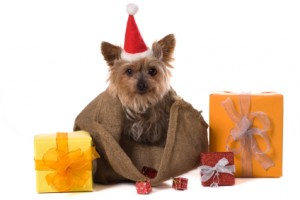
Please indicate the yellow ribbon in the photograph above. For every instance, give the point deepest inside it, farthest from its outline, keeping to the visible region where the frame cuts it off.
(70, 169)
(244, 133)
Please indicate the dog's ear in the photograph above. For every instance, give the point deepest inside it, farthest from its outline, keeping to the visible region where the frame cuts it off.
(110, 53)
(164, 48)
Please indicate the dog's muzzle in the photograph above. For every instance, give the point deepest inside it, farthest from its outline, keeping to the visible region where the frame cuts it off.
(142, 86)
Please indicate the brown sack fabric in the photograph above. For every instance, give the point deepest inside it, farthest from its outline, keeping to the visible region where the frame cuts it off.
(123, 159)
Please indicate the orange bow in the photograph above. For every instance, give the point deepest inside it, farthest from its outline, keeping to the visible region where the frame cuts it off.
(71, 169)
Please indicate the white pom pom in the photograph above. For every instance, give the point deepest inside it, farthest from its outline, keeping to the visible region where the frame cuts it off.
(132, 8)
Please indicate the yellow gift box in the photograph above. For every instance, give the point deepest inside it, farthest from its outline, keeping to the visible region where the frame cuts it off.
(251, 126)
(63, 162)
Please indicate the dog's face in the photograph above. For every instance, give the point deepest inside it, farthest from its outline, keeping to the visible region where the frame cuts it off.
(143, 82)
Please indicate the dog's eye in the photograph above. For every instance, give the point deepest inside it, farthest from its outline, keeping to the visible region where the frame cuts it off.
(152, 71)
(129, 71)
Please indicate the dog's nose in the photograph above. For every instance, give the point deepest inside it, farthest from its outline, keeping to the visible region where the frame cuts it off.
(142, 86)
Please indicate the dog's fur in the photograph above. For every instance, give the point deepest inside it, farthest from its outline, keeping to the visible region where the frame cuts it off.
(143, 87)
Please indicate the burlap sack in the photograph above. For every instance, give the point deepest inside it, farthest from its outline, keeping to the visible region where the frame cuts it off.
(123, 160)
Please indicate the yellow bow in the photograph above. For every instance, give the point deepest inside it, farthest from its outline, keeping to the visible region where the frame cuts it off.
(70, 169)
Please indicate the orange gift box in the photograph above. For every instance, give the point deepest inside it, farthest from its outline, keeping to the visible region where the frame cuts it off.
(251, 126)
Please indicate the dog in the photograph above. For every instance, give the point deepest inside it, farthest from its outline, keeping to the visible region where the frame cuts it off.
(143, 88)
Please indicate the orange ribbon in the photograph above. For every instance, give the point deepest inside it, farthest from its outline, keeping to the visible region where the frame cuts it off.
(71, 169)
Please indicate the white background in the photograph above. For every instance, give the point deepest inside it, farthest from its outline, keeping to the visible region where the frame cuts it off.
(51, 67)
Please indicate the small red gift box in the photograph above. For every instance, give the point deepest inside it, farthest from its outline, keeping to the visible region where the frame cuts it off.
(149, 172)
(180, 183)
(143, 187)
(217, 168)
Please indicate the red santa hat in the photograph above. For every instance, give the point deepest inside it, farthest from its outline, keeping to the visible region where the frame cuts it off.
(134, 46)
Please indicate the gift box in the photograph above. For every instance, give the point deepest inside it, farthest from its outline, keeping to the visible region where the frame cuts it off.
(180, 183)
(217, 169)
(143, 187)
(63, 162)
(149, 172)
(250, 125)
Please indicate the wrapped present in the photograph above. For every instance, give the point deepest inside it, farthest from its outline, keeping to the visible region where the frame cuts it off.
(180, 183)
(143, 187)
(63, 162)
(251, 127)
(149, 172)
(217, 169)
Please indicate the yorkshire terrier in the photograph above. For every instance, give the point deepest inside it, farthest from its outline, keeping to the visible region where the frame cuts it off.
(143, 87)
